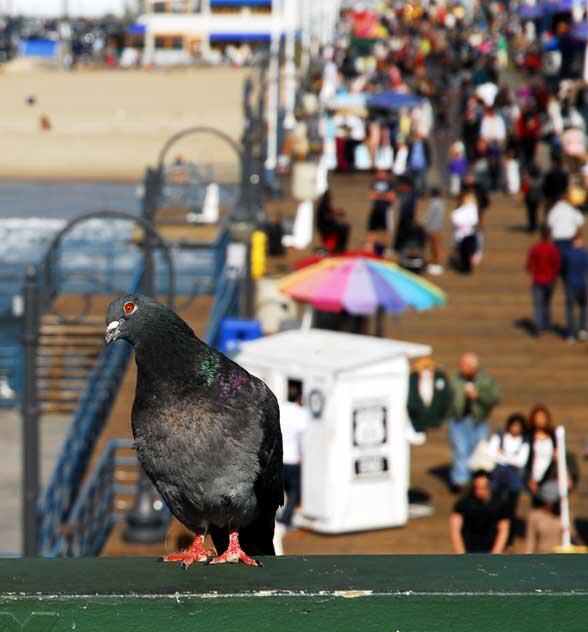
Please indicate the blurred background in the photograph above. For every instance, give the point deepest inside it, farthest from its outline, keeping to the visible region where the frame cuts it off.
(377, 207)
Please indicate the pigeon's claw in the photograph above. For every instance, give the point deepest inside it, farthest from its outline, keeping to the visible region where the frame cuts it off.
(196, 553)
(234, 553)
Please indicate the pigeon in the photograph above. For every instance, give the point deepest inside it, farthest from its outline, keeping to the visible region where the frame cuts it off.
(207, 434)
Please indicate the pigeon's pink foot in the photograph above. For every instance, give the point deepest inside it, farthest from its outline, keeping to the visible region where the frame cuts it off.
(195, 553)
(235, 554)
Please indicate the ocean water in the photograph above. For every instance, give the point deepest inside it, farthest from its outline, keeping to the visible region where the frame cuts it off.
(31, 213)
(65, 200)
(95, 256)
(97, 253)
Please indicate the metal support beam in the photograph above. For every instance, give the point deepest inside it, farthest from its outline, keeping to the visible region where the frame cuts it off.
(30, 416)
(146, 522)
(151, 197)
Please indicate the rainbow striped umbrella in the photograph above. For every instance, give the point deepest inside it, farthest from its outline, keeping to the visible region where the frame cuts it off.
(361, 285)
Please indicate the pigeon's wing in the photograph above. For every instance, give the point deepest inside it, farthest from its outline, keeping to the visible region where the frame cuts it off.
(254, 396)
(257, 537)
(269, 486)
(270, 481)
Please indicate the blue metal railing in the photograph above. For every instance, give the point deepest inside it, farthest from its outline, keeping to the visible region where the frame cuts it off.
(89, 419)
(96, 509)
(92, 515)
(83, 266)
(94, 512)
(226, 303)
(92, 413)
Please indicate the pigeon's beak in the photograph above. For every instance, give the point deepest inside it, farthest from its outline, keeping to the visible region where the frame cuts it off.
(112, 331)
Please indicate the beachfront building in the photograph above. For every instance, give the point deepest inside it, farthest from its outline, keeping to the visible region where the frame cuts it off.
(173, 32)
(68, 8)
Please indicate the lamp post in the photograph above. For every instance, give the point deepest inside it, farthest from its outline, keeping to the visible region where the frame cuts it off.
(273, 99)
(146, 522)
(250, 209)
(290, 20)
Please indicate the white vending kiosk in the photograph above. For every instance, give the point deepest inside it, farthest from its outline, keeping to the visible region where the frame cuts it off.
(355, 454)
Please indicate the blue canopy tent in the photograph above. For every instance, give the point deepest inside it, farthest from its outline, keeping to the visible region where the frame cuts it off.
(579, 32)
(531, 12)
(558, 6)
(39, 47)
(390, 100)
(347, 101)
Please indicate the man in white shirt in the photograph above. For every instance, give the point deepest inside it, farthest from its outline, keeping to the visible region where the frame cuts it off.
(294, 419)
(465, 220)
(492, 128)
(493, 131)
(564, 222)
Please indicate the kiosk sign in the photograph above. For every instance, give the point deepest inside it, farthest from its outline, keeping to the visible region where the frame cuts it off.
(370, 432)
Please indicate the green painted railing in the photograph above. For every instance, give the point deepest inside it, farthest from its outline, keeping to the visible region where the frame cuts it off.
(409, 593)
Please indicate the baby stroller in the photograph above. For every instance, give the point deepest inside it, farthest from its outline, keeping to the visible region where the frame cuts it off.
(412, 252)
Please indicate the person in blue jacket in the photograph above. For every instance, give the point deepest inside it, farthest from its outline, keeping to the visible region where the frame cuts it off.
(575, 273)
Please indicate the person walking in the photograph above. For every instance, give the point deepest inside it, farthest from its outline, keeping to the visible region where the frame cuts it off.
(434, 225)
(555, 184)
(543, 265)
(406, 212)
(419, 159)
(294, 419)
(465, 219)
(564, 221)
(531, 189)
(475, 393)
(542, 447)
(510, 449)
(332, 228)
(575, 273)
(382, 195)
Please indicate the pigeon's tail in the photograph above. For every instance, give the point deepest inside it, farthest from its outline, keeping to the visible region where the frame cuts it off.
(255, 539)
(258, 537)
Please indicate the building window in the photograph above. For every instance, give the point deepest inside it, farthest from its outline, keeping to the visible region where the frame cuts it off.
(178, 43)
(160, 42)
(159, 7)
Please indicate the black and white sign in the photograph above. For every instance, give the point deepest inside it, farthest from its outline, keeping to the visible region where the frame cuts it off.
(372, 465)
(369, 425)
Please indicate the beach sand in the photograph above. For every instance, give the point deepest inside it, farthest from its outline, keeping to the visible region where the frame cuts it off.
(111, 124)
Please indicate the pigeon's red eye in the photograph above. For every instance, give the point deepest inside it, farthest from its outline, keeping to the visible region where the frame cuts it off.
(129, 308)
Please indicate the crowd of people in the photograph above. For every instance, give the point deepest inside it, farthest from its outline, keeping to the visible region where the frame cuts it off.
(85, 41)
(438, 78)
(517, 134)
(491, 471)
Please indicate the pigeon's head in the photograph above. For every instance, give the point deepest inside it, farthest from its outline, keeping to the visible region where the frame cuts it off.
(133, 316)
